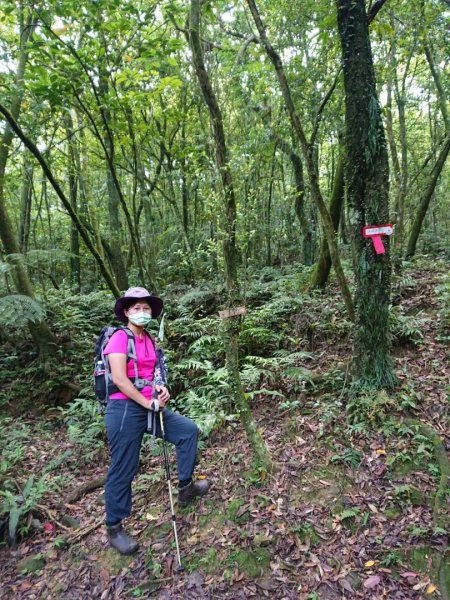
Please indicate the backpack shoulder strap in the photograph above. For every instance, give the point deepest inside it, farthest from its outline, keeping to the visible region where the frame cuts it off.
(151, 339)
(131, 351)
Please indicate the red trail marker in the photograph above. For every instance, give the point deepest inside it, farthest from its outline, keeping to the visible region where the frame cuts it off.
(375, 232)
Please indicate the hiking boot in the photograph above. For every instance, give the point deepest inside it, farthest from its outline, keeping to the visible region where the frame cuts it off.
(193, 490)
(119, 540)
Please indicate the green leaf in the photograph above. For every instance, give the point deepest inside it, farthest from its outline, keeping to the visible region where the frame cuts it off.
(28, 487)
(20, 310)
(14, 516)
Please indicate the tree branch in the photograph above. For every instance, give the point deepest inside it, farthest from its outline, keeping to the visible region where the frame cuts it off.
(66, 202)
(375, 10)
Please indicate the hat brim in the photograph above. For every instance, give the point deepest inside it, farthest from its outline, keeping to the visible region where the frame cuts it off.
(156, 304)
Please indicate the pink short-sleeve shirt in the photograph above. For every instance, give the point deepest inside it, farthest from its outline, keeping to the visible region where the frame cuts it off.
(146, 359)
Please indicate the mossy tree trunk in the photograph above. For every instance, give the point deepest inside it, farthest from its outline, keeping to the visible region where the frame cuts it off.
(305, 223)
(367, 179)
(26, 203)
(323, 266)
(260, 452)
(117, 257)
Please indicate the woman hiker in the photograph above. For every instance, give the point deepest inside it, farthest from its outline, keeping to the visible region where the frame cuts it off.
(126, 417)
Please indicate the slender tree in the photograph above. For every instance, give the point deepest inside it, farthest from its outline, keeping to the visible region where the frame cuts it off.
(323, 266)
(308, 149)
(229, 245)
(426, 197)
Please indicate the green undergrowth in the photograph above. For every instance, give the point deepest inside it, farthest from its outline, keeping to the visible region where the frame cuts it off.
(278, 368)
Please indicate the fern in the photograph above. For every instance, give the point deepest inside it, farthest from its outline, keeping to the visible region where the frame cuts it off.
(6, 268)
(193, 364)
(264, 392)
(251, 375)
(286, 357)
(298, 373)
(20, 310)
(202, 342)
(204, 409)
(263, 362)
(405, 328)
(349, 513)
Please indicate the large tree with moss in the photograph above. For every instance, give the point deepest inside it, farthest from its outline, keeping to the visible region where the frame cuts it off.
(367, 175)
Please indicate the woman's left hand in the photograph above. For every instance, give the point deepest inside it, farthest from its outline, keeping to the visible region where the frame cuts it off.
(163, 395)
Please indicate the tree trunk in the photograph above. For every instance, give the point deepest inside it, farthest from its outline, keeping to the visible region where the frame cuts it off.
(75, 266)
(269, 209)
(305, 224)
(401, 174)
(117, 257)
(323, 267)
(367, 178)
(426, 197)
(26, 203)
(259, 449)
(439, 87)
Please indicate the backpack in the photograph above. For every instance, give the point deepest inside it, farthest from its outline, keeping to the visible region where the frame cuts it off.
(103, 383)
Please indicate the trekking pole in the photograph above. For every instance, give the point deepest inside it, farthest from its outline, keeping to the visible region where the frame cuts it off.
(167, 466)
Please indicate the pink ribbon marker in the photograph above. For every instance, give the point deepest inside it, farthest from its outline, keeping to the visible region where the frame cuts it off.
(375, 232)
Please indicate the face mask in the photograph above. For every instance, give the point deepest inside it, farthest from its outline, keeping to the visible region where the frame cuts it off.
(140, 318)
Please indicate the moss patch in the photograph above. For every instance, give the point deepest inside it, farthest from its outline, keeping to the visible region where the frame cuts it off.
(236, 513)
(112, 561)
(316, 493)
(31, 564)
(433, 563)
(157, 532)
(208, 561)
(251, 563)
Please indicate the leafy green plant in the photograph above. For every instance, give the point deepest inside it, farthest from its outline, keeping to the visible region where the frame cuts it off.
(20, 310)
(406, 329)
(17, 505)
(373, 407)
(349, 513)
(402, 491)
(349, 457)
(417, 531)
(13, 440)
(443, 298)
(84, 426)
(391, 559)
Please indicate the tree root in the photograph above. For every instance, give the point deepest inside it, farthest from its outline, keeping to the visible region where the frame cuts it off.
(154, 584)
(81, 534)
(444, 466)
(51, 515)
(85, 488)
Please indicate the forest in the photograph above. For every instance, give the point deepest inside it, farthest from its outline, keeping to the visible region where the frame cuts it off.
(277, 173)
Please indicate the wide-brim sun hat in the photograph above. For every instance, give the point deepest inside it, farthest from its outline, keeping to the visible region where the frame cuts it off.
(137, 293)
